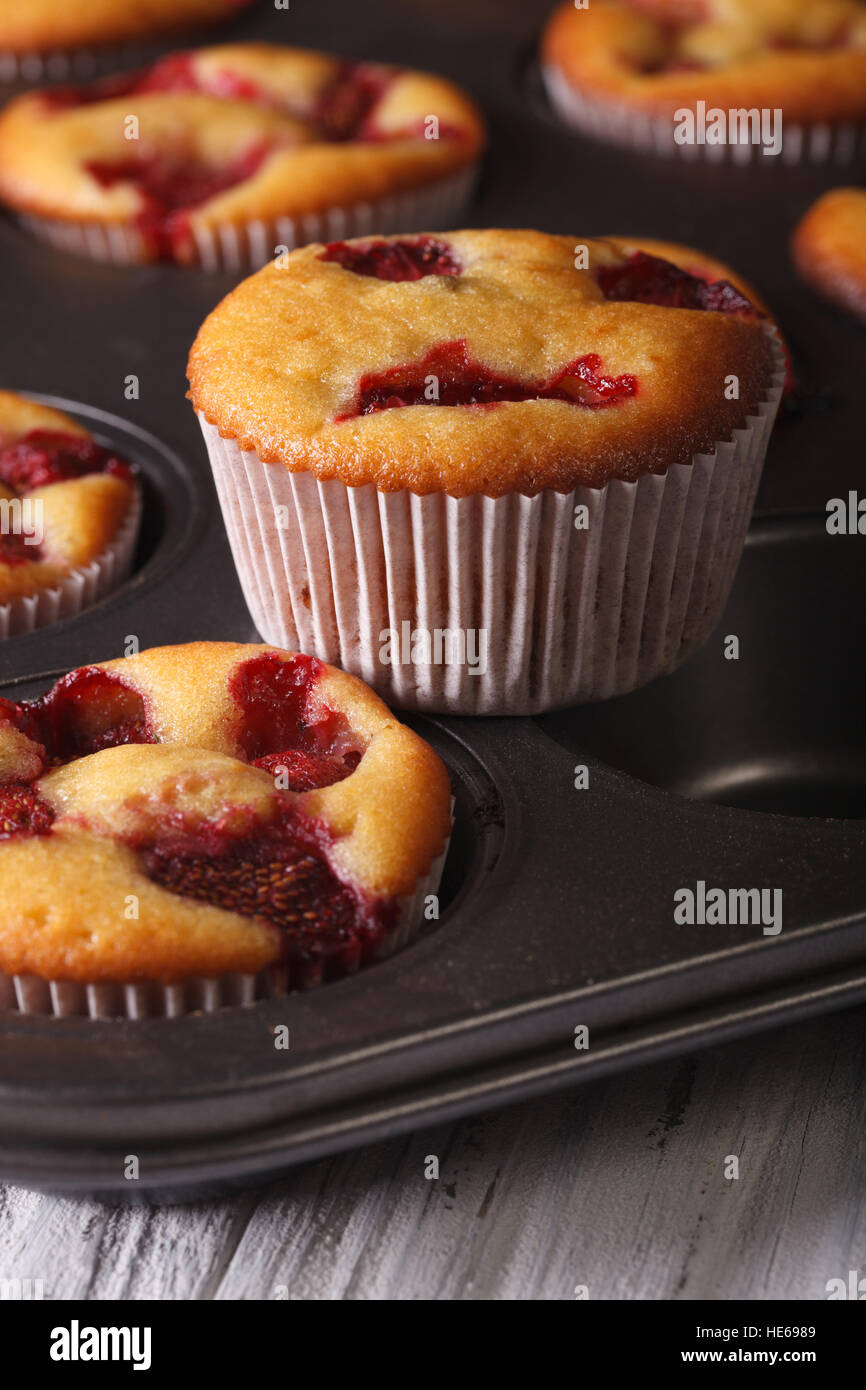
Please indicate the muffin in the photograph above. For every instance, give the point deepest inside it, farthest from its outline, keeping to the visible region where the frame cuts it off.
(713, 79)
(493, 472)
(239, 154)
(207, 824)
(54, 39)
(829, 248)
(69, 515)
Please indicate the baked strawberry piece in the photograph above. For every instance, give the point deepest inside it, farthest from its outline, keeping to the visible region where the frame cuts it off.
(265, 815)
(242, 148)
(69, 510)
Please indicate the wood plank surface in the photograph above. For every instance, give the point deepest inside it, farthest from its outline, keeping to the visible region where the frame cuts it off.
(618, 1185)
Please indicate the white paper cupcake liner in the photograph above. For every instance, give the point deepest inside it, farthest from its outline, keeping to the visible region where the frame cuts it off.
(81, 587)
(28, 994)
(821, 143)
(249, 246)
(60, 64)
(571, 615)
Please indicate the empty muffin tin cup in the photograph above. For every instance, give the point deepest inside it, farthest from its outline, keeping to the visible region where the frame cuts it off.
(480, 605)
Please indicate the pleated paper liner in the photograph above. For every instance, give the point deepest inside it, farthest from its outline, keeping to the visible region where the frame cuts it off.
(570, 614)
(61, 64)
(817, 144)
(248, 246)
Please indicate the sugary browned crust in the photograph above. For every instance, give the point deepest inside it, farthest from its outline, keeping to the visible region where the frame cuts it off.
(79, 518)
(44, 148)
(829, 247)
(607, 51)
(62, 913)
(281, 357)
(52, 24)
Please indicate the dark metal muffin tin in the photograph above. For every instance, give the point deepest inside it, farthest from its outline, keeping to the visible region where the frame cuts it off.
(558, 906)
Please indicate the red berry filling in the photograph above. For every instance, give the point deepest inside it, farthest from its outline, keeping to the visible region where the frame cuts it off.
(176, 72)
(278, 872)
(170, 187)
(281, 876)
(449, 376)
(91, 709)
(50, 456)
(86, 711)
(42, 457)
(394, 260)
(303, 772)
(23, 812)
(647, 279)
(274, 696)
(10, 710)
(345, 109)
(173, 73)
(15, 549)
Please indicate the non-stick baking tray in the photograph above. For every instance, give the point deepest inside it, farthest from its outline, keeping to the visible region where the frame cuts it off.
(558, 902)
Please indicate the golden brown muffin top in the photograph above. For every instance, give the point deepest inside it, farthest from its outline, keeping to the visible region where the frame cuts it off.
(495, 361)
(250, 802)
(809, 59)
(53, 24)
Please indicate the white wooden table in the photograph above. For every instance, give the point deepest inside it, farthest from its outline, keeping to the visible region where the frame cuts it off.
(618, 1186)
